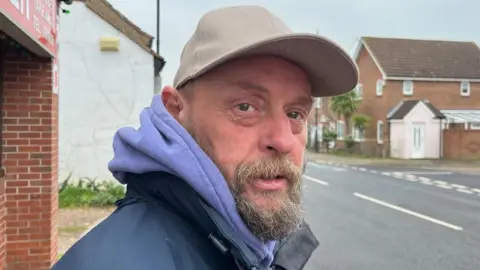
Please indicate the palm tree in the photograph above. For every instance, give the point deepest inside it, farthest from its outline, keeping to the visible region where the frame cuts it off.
(345, 105)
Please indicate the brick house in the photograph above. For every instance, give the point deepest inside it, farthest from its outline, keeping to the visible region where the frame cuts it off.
(443, 74)
(28, 184)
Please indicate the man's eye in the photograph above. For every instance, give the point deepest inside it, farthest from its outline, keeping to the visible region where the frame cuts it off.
(295, 115)
(244, 107)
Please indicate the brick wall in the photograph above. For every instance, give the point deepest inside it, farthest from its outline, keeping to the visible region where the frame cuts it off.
(459, 143)
(29, 157)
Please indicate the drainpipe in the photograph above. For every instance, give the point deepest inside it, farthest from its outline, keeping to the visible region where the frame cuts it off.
(316, 128)
(3, 48)
(441, 138)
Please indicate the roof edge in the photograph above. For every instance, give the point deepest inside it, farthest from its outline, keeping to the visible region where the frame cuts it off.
(112, 16)
(363, 43)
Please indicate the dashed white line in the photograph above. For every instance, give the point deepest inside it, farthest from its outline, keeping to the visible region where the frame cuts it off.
(465, 191)
(409, 212)
(315, 180)
(428, 173)
(458, 186)
(412, 176)
(444, 186)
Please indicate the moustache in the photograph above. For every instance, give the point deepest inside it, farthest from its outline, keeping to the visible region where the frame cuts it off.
(272, 168)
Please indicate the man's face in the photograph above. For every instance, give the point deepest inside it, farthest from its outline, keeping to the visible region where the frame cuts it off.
(250, 117)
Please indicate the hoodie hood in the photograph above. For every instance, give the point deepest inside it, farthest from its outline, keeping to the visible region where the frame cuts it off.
(162, 144)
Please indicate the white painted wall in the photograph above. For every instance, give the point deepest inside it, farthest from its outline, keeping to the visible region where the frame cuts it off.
(99, 92)
(398, 135)
(401, 133)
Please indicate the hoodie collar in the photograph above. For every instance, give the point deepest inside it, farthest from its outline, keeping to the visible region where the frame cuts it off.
(291, 253)
(161, 144)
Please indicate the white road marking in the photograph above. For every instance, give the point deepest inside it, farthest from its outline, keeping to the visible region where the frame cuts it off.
(444, 186)
(424, 179)
(410, 177)
(465, 191)
(409, 212)
(426, 183)
(458, 186)
(315, 180)
(440, 182)
(476, 189)
(427, 172)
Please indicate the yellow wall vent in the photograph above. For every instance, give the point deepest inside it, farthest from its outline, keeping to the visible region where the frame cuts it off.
(109, 44)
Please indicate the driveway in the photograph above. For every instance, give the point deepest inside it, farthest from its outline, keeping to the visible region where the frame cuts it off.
(368, 220)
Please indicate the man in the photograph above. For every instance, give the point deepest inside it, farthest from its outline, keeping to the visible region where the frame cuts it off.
(214, 172)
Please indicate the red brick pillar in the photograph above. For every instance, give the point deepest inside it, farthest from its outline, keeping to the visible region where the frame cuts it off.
(29, 158)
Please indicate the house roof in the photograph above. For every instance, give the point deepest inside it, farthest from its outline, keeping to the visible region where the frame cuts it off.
(462, 116)
(112, 16)
(404, 107)
(411, 58)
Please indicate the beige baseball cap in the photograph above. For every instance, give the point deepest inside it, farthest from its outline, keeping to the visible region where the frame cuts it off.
(232, 32)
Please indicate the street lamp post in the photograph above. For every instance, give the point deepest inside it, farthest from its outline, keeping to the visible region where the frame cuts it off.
(158, 26)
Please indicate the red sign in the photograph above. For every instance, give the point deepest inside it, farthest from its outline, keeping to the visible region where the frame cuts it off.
(37, 18)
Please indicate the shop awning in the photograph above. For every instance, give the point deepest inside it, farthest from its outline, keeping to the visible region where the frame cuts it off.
(32, 25)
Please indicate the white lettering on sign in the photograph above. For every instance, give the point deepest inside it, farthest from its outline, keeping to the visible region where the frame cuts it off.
(42, 13)
(23, 6)
(43, 8)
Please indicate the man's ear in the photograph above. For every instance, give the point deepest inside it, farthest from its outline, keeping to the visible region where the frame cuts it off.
(173, 101)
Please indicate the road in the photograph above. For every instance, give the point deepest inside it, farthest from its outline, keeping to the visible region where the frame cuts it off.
(374, 218)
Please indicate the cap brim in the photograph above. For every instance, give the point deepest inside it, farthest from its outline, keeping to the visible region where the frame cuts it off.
(331, 70)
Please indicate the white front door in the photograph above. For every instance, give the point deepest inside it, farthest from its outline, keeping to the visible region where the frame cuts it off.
(418, 140)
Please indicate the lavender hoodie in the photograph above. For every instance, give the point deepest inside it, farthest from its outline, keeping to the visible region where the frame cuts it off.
(162, 144)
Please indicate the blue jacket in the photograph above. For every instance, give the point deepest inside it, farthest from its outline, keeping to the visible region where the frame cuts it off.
(162, 224)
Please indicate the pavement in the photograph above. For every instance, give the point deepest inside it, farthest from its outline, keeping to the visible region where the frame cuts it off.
(465, 166)
(374, 217)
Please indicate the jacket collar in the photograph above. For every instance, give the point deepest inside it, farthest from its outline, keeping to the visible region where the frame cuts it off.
(292, 253)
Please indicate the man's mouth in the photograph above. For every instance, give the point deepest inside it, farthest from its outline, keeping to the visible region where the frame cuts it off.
(270, 184)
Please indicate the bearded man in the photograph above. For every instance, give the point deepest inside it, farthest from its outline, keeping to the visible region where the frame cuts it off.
(214, 172)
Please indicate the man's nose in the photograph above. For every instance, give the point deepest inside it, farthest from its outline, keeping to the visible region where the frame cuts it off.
(277, 135)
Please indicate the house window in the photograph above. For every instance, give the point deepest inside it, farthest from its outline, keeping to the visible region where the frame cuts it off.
(475, 125)
(340, 129)
(358, 135)
(380, 131)
(465, 89)
(379, 87)
(408, 88)
(318, 103)
(359, 91)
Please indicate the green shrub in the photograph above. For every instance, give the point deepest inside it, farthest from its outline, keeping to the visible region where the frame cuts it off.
(349, 142)
(89, 193)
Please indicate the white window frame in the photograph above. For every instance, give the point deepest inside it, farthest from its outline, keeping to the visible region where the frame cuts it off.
(379, 87)
(380, 131)
(342, 124)
(407, 88)
(356, 135)
(475, 125)
(359, 91)
(465, 85)
(318, 103)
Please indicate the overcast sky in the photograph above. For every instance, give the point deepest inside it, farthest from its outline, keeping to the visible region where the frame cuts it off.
(344, 21)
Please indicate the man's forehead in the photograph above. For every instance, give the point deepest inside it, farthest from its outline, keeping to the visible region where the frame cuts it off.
(302, 96)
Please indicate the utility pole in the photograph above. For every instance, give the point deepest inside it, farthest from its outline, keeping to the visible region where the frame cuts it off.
(317, 146)
(158, 26)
